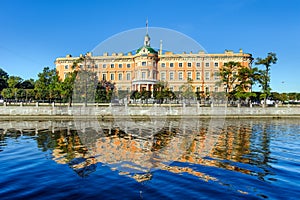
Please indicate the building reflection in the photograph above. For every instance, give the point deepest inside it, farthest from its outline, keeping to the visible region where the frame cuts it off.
(136, 148)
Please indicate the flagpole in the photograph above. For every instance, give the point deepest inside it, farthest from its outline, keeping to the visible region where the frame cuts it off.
(147, 26)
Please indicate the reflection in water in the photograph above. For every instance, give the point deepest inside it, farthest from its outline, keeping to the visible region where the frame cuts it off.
(137, 149)
(245, 156)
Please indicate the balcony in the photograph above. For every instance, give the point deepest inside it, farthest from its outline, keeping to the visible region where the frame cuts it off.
(144, 81)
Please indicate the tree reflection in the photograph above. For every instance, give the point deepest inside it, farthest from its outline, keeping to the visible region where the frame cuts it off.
(136, 150)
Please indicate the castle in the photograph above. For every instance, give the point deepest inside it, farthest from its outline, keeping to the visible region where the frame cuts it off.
(146, 67)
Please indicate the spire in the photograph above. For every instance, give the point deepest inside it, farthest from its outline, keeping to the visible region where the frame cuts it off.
(160, 47)
(147, 38)
(147, 26)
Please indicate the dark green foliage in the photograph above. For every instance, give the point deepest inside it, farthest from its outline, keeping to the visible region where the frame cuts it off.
(47, 85)
(265, 78)
(104, 91)
(135, 95)
(3, 79)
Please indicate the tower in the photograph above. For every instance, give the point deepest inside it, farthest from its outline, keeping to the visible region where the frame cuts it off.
(147, 37)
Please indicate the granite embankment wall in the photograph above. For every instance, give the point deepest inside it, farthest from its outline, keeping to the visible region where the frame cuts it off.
(40, 112)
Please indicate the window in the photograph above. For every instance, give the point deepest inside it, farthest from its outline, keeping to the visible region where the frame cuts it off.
(189, 64)
(104, 77)
(120, 76)
(104, 65)
(207, 64)
(207, 74)
(180, 76)
(163, 76)
(128, 65)
(154, 75)
(189, 75)
(198, 64)
(81, 66)
(128, 77)
(120, 65)
(171, 64)
(180, 64)
(216, 89)
(171, 75)
(66, 66)
(144, 63)
(198, 75)
(216, 64)
(143, 75)
(112, 77)
(96, 66)
(163, 65)
(112, 65)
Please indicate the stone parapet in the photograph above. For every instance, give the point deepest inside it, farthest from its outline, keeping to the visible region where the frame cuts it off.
(150, 111)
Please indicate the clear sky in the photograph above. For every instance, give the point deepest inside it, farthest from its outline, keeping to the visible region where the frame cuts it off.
(33, 33)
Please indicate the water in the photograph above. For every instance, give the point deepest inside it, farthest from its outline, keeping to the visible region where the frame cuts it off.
(131, 159)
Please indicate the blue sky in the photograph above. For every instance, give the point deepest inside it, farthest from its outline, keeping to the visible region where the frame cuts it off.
(35, 32)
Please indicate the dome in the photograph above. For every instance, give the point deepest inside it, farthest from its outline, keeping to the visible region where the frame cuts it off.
(146, 49)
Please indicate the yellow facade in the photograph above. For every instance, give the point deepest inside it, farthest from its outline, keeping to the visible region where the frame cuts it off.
(143, 69)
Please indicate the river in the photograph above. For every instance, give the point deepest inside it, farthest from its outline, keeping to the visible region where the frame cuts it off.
(150, 159)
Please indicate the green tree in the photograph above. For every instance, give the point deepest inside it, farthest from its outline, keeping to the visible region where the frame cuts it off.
(67, 87)
(265, 74)
(26, 90)
(145, 95)
(55, 87)
(14, 82)
(3, 79)
(298, 96)
(27, 84)
(246, 78)
(292, 95)
(101, 93)
(135, 95)
(160, 91)
(228, 76)
(30, 94)
(44, 86)
(7, 93)
(104, 91)
(276, 96)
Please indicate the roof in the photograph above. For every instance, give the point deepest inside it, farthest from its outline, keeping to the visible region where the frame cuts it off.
(151, 50)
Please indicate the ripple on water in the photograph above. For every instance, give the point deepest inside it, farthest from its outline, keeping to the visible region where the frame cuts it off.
(247, 159)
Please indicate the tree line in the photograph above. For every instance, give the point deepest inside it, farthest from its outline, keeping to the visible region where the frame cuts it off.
(49, 88)
(238, 80)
